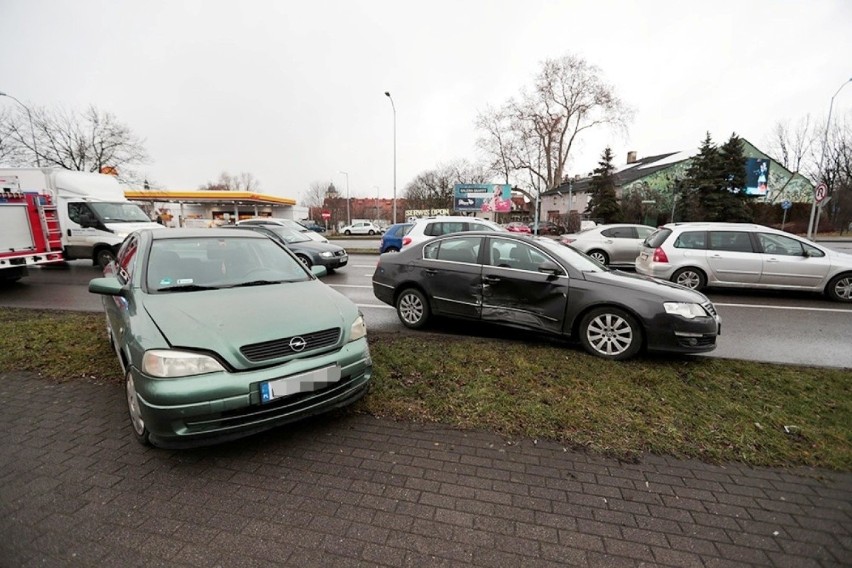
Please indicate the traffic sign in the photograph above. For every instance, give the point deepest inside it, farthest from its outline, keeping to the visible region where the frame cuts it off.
(820, 192)
(786, 204)
(326, 214)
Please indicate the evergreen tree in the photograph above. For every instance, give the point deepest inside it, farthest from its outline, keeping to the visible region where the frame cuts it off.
(734, 202)
(603, 204)
(702, 201)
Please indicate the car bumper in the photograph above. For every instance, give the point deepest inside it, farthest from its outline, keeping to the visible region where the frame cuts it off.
(205, 409)
(680, 335)
(663, 271)
(335, 262)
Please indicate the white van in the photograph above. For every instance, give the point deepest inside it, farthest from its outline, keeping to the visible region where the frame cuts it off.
(93, 213)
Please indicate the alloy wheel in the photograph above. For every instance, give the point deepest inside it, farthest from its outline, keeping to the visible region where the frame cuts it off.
(610, 334)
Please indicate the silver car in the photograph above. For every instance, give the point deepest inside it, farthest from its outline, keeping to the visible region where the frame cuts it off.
(740, 255)
(616, 245)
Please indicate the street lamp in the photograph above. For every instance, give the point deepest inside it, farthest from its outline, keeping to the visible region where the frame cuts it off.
(348, 217)
(32, 130)
(811, 228)
(393, 106)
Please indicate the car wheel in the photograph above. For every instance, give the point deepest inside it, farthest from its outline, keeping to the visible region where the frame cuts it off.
(137, 423)
(691, 278)
(412, 308)
(391, 249)
(104, 257)
(600, 256)
(305, 260)
(371, 232)
(839, 288)
(611, 333)
(347, 232)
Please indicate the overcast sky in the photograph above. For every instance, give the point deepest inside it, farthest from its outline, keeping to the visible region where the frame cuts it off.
(292, 92)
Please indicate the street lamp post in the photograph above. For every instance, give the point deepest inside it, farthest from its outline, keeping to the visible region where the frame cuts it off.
(393, 106)
(377, 202)
(32, 130)
(811, 229)
(348, 216)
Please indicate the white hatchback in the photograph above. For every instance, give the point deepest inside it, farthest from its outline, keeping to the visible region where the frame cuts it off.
(362, 228)
(425, 229)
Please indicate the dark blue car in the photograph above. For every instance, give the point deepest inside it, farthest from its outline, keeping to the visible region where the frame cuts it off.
(392, 239)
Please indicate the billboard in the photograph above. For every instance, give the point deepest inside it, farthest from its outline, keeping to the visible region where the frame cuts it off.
(485, 197)
(757, 176)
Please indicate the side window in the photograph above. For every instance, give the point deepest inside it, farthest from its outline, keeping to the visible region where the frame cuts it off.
(735, 241)
(78, 211)
(432, 229)
(510, 254)
(126, 259)
(813, 251)
(779, 244)
(473, 226)
(463, 249)
(620, 233)
(692, 240)
(430, 251)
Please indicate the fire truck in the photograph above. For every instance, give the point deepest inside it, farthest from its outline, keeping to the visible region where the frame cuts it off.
(29, 231)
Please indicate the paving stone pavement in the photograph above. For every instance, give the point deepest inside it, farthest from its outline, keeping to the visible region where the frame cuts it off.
(352, 490)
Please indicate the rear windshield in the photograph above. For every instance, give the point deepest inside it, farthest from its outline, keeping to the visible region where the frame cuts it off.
(657, 238)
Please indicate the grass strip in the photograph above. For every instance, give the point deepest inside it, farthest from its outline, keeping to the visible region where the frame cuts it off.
(711, 409)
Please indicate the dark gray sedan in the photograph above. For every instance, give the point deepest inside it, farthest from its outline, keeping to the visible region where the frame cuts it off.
(309, 251)
(539, 284)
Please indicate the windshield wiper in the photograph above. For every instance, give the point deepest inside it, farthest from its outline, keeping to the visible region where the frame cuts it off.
(258, 283)
(186, 288)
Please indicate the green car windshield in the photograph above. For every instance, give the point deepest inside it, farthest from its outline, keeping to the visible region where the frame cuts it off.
(186, 265)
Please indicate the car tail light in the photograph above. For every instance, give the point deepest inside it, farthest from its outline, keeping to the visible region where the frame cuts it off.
(660, 255)
(568, 241)
(406, 241)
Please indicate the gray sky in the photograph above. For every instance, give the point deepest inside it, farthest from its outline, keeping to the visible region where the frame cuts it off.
(293, 91)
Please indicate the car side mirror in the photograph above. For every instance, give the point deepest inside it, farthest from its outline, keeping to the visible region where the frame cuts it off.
(548, 267)
(318, 270)
(107, 286)
(87, 221)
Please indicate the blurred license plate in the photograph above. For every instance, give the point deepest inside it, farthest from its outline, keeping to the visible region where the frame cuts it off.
(304, 382)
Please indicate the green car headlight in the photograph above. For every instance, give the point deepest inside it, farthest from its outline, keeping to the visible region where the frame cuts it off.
(358, 329)
(166, 363)
(685, 309)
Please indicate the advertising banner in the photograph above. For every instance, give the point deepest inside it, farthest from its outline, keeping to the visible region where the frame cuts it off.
(757, 176)
(485, 197)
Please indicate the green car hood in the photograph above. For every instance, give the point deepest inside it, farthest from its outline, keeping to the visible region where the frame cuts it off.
(223, 320)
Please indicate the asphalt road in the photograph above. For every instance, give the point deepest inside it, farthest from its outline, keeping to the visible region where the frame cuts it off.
(761, 326)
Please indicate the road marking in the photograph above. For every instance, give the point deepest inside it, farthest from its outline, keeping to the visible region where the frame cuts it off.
(836, 310)
(349, 286)
(363, 265)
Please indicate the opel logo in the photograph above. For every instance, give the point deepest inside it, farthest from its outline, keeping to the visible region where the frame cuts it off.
(298, 344)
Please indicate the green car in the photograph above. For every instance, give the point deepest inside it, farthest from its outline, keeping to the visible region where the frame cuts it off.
(224, 333)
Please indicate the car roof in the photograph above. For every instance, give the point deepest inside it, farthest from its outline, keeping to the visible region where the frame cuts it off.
(165, 233)
(714, 225)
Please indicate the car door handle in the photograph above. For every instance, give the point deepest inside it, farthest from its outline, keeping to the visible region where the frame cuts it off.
(430, 271)
(771, 260)
(491, 278)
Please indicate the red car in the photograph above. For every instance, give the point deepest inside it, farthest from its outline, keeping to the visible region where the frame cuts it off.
(518, 228)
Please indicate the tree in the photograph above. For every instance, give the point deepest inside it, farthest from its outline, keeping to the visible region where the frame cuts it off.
(732, 197)
(433, 189)
(530, 138)
(226, 182)
(699, 191)
(91, 141)
(793, 145)
(603, 204)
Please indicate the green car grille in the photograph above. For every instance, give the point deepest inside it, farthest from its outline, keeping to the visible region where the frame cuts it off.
(295, 344)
